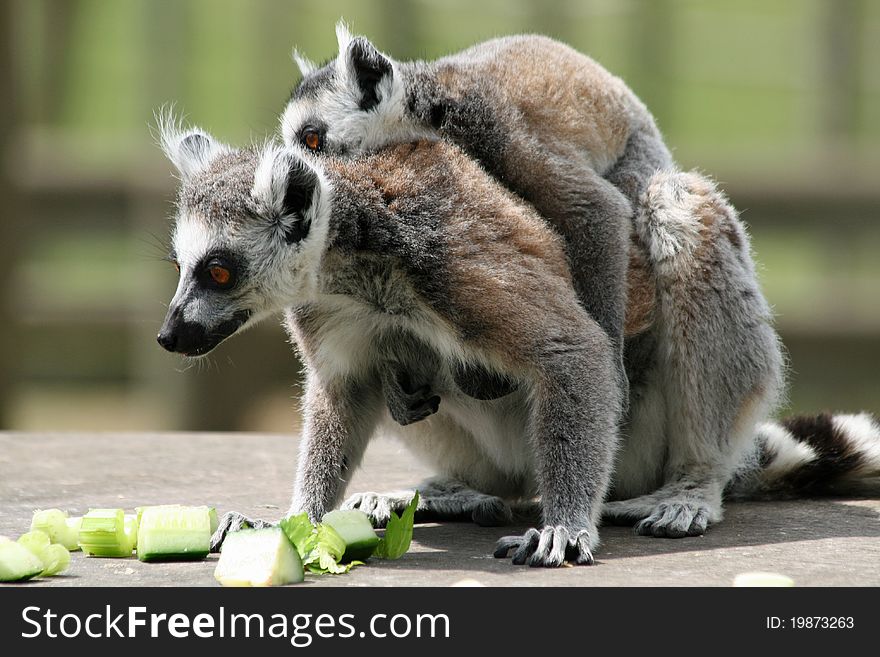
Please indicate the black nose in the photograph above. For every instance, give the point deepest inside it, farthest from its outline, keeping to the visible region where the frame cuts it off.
(167, 339)
(169, 334)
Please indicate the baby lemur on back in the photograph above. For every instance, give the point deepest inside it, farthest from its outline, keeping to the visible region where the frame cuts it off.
(548, 122)
(414, 256)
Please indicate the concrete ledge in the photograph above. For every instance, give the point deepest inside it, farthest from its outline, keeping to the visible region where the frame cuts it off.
(828, 542)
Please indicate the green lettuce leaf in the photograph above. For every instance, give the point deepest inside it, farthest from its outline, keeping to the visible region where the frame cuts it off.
(398, 532)
(301, 532)
(320, 546)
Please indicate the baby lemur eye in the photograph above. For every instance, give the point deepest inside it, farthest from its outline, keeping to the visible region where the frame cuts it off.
(312, 139)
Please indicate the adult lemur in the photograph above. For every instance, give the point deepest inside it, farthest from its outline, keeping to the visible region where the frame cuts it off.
(563, 133)
(414, 256)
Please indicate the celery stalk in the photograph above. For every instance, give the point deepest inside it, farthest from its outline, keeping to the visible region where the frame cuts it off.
(102, 534)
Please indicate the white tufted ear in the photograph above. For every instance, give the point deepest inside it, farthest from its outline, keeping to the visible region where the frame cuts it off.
(190, 149)
(343, 36)
(304, 64)
(286, 188)
(363, 68)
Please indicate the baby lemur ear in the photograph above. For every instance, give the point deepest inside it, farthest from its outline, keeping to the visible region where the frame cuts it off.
(364, 65)
(304, 64)
(286, 188)
(189, 149)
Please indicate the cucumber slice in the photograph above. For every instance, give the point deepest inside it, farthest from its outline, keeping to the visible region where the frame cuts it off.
(35, 541)
(174, 533)
(355, 529)
(17, 563)
(258, 557)
(102, 534)
(58, 526)
(55, 557)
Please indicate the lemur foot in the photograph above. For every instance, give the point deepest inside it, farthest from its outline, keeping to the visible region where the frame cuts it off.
(439, 499)
(232, 522)
(378, 506)
(547, 548)
(656, 515)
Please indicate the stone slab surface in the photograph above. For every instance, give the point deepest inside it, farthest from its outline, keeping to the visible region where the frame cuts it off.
(827, 542)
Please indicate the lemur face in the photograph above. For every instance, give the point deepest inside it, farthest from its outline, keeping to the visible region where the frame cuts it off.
(246, 241)
(351, 105)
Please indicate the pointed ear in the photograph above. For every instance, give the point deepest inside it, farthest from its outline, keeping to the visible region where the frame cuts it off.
(287, 188)
(304, 64)
(363, 64)
(189, 149)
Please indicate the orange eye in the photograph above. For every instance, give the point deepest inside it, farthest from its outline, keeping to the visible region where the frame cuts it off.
(312, 140)
(219, 275)
(176, 266)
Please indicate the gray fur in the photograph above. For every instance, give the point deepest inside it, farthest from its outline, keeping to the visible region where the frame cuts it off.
(372, 288)
(585, 183)
(417, 261)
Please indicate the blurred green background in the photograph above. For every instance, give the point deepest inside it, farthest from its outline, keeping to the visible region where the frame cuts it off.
(778, 100)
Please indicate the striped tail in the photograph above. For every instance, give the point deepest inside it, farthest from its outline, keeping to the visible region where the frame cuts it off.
(811, 455)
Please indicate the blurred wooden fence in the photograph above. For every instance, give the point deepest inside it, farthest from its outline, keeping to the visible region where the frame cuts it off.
(48, 339)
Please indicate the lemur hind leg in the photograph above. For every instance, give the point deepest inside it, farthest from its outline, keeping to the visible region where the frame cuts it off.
(718, 361)
(440, 498)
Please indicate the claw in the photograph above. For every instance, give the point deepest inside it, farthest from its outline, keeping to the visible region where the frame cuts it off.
(233, 522)
(548, 548)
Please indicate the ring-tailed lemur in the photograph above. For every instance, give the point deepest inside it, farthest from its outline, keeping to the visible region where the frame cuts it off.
(414, 255)
(548, 122)
(555, 127)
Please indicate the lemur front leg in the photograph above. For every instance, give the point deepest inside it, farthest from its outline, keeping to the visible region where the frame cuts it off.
(574, 420)
(338, 419)
(440, 499)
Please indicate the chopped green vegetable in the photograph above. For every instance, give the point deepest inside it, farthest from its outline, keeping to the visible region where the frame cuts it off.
(54, 556)
(102, 534)
(131, 527)
(174, 533)
(258, 557)
(328, 551)
(71, 540)
(58, 526)
(17, 563)
(320, 547)
(301, 532)
(36, 541)
(56, 559)
(398, 532)
(355, 529)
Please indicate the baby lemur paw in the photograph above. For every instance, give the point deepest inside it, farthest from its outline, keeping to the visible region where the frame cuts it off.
(232, 522)
(548, 548)
(414, 407)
